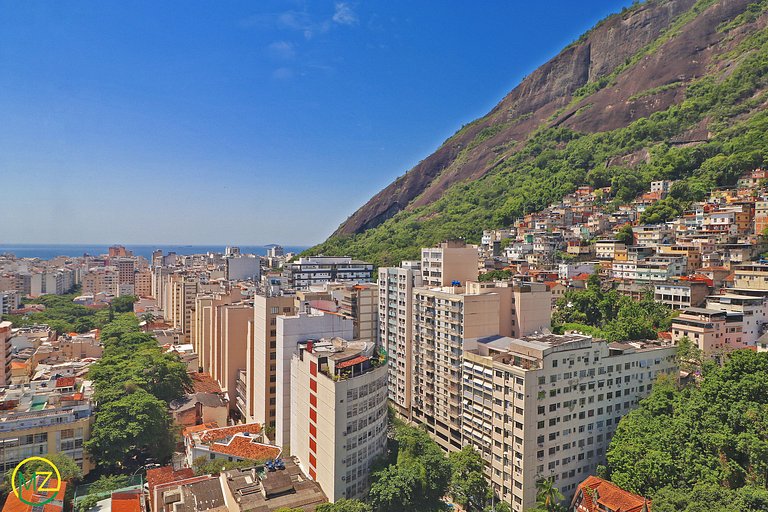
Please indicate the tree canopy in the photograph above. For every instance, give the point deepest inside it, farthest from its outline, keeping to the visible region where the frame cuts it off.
(707, 442)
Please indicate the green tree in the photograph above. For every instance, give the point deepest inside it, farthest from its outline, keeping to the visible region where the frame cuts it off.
(124, 304)
(344, 505)
(625, 234)
(469, 487)
(136, 425)
(548, 497)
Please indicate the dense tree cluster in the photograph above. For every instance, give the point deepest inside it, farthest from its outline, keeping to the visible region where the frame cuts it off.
(134, 382)
(609, 314)
(700, 447)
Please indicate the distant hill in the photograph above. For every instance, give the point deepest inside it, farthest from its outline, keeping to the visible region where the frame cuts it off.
(667, 89)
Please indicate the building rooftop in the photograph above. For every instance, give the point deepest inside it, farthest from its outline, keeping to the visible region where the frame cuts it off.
(597, 495)
(259, 491)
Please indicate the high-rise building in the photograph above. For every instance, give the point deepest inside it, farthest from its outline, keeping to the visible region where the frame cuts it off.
(442, 319)
(126, 270)
(143, 283)
(360, 303)
(291, 331)
(338, 413)
(261, 358)
(243, 267)
(449, 263)
(5, 347)
(546, 406)
(396, 286)
(230, 345)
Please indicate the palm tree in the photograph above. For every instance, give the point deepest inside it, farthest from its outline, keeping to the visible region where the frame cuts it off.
(548, 497)
(147, 318)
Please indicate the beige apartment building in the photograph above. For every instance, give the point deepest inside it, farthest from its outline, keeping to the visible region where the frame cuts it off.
(713, 331)
(360, 303)
(752, 276)
(338, 413)
(230, 346)
(100, 280)
(207, 326)
(449, 262)
(261, 358)
(546, 406)
(396, 286)
(442, 319)
(178, 308)
(45, 417)
(143, 283)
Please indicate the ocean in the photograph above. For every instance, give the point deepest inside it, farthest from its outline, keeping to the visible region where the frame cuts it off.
(47, 252)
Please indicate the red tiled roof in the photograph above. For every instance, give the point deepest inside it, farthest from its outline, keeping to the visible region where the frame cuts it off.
(165, 475)
(129, 501)
(14, 504)
(609, 495)
(18, 365)
(65, 382)
(204, 383)
(352, 362)
(222, 433)
(200, 428)
(245, 448)
(581, 277)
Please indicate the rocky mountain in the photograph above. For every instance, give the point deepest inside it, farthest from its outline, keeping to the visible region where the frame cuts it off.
(628, 75)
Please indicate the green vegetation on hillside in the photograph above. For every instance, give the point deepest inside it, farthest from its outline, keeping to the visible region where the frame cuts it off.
(700, 447)
(555, 160)
(609, 314)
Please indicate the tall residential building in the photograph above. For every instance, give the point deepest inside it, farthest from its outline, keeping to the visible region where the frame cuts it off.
(308, 271)
(448, 263)
(338, 413)
(143, 283)
(207, 325)
(291, 331)
(360, 303)
(396, 286)
(261, 358)
(442, 319)
(5, 347)
(178, 309)
(230, 345)
(546, 406)
(100, 280)
(126, 270)
(714, 331)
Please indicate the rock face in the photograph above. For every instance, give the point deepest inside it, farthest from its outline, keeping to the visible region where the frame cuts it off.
(546, 97)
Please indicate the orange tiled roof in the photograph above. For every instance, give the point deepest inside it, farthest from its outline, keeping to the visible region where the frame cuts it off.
(65, 382)
(127, 501)
(204, 383)
(17, 365)
(165, 475)
(217, 434)
(14, 504)
(246, 448)
(609, 495)
(200, 428)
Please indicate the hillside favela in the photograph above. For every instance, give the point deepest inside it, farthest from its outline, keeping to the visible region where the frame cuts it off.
(562, 308)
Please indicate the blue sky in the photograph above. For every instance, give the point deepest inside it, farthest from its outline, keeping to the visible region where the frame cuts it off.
(204, 122)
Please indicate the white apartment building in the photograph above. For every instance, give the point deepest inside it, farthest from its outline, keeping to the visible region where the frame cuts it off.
(654, 269)
(547, 406)
(448, 263)
(396, 286)
(243, 267)
(338, 413)
(316, 270)
(606, 249)
(291, 332)
(754, 311)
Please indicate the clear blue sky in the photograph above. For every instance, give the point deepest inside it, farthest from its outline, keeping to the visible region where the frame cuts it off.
(243, 122)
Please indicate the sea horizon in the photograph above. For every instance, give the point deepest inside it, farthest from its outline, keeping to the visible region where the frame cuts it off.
(50, 251)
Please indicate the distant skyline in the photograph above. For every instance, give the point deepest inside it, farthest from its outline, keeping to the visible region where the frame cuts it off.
(243, 122)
